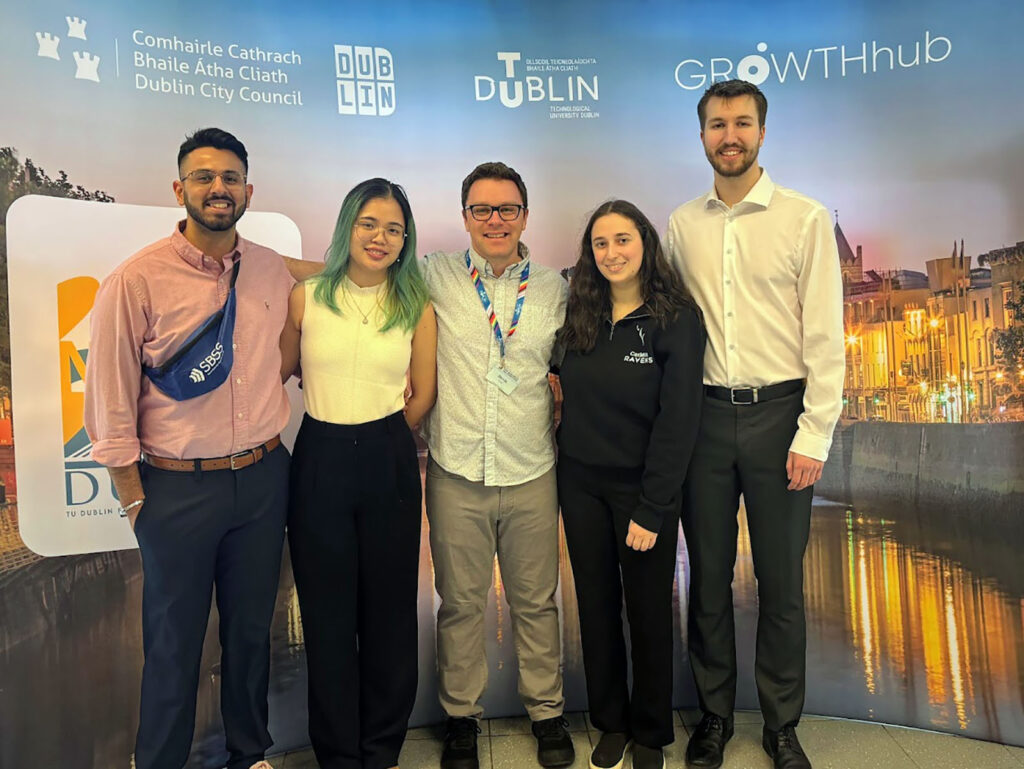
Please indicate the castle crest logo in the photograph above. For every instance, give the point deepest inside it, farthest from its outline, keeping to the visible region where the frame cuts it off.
(87, 64)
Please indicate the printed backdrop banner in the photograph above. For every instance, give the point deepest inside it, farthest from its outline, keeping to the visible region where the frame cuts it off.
(905, 121)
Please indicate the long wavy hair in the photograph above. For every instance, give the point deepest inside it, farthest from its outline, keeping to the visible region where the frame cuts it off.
(590, 300)
(406, 294)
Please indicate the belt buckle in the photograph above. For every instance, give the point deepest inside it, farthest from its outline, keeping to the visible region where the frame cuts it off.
(233, 457)
(751, 402)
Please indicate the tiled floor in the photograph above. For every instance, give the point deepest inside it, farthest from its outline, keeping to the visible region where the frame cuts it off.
(505, 743)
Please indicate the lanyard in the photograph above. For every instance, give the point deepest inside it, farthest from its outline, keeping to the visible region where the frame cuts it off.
(489, 308)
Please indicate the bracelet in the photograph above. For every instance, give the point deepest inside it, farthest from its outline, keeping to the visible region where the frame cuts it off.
(123, 511)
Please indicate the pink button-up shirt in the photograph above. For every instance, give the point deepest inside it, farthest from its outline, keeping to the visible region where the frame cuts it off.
(144, 310)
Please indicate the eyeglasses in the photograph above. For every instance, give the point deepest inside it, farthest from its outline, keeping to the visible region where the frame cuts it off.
(367, 229)
(508, 212)
(204, 177)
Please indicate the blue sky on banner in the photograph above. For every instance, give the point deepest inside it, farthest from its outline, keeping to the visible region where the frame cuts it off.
(906, 119)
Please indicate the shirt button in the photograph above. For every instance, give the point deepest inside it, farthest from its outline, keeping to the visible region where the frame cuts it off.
(728, 315)
(239, 380)
(728, 250)
(240, 415)
(728, 282)
(234, 346)
(731, 347)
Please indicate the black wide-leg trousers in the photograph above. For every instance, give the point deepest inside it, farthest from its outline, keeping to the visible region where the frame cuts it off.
(597, 504)
(197, 531)
(742, 449)
(354, 533)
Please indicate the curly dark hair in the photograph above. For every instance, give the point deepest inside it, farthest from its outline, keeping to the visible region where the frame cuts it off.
(590, 301)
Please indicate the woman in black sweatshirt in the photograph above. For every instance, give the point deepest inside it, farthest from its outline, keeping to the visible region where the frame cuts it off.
(631, 372)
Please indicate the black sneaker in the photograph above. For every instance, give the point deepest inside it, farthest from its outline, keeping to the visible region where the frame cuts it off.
(707, 744)
(460, 744)
(784, 748)
(610, 750)
(647, 758)
(554, 745)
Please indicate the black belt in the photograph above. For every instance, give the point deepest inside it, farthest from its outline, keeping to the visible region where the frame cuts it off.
(748, 396)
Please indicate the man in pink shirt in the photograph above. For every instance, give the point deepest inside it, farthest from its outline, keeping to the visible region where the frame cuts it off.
(202, 477)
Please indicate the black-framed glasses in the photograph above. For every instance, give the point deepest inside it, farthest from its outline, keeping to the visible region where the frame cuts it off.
(204, 177)
(507, 212)
(367, 230)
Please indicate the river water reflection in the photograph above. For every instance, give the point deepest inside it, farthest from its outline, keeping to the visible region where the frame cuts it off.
(906, 624)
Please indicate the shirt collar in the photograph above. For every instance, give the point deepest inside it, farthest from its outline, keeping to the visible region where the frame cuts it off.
(759, 196)
(484, 267)
(197, 258)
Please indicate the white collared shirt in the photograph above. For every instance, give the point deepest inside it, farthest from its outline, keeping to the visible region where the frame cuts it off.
(766, 274)
(475, 430)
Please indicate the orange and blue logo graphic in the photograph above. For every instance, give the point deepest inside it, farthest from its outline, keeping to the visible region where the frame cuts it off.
(75, 299)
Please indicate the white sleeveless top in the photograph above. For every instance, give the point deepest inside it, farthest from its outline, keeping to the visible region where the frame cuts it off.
(351, 372)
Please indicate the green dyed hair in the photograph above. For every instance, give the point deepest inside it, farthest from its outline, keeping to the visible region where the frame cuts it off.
(406, 294)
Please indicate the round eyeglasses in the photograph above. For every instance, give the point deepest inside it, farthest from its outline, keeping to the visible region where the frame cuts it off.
(367, 230)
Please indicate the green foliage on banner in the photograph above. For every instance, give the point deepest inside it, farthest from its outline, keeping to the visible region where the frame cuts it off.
(1010, 346)
(19, 178)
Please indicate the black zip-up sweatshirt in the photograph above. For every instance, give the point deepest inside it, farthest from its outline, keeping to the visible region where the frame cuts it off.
(634, 402)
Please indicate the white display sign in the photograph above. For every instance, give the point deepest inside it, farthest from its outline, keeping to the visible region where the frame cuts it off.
(58, 252)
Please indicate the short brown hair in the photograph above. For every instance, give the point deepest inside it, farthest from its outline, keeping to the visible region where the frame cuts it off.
(493, 170)
(728, 89)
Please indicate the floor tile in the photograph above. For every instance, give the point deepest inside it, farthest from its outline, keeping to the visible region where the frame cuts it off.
(675, 753)
(831, 743)
(851, 745)
(521, 725)
(426, 754)
(433, 732)
(948, 751)
(519, 751)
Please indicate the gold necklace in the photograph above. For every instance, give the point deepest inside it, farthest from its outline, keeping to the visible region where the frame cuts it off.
(365, 315)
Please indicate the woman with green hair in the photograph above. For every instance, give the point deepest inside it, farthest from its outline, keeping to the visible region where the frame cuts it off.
(365, 336)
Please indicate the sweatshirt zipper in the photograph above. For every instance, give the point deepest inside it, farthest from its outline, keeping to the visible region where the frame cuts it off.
(631, 316)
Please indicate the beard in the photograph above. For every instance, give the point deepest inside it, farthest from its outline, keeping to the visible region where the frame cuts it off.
(730, 168)
(213, 219)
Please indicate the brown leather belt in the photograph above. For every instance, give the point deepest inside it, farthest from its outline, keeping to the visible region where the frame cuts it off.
(233, 462)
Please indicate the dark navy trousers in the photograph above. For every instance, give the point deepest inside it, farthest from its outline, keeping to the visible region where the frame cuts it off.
(197, 531)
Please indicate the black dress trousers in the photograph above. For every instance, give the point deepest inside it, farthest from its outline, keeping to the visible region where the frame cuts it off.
(354, 533)
(742, 449)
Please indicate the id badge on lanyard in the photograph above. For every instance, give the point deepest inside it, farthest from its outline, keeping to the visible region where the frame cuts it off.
(499, 375)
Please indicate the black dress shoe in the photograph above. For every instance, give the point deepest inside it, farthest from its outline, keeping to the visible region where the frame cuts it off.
(707, 744)
(784, 748)
(610, 751)
(554, 745)
(460, 744)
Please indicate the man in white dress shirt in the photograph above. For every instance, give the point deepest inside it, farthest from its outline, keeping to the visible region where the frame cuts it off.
(762, 263)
